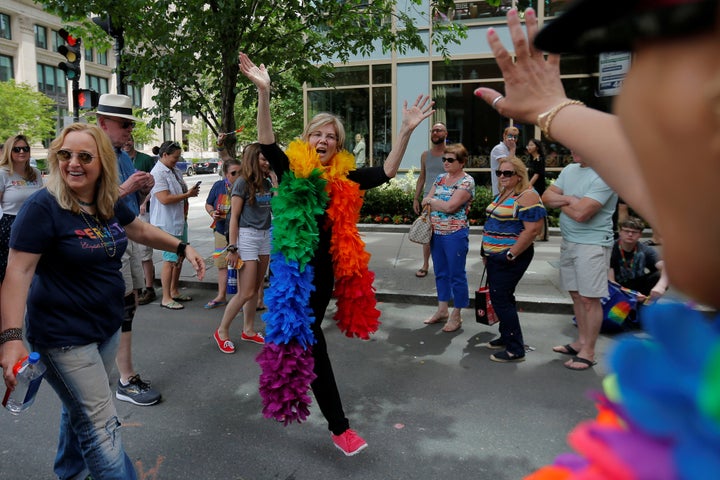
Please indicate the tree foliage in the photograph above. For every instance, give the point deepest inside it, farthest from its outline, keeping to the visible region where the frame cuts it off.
(24, 110)
(187, 49)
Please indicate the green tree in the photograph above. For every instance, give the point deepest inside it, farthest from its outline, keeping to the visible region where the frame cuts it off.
(187, 49)
(24, 110)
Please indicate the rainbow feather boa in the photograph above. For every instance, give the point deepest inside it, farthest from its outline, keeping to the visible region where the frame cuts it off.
(660, 416)
(306, 191)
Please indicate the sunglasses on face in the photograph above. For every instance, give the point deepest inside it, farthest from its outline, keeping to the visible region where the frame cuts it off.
(124, 123)
(234, 173)
(449, 159)
(504, 173)
(512, 137)
(66, 155)
(20, 149)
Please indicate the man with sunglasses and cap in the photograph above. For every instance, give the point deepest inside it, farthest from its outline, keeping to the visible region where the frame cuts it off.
(504, 149)
(115, 118)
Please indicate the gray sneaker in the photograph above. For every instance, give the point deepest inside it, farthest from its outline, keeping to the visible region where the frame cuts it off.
(138, 392)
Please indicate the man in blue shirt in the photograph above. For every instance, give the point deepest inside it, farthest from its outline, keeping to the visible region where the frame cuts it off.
(115, 117)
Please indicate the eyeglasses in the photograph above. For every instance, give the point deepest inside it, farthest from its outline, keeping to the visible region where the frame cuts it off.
(630, 232)
(437, 130)
(511, 136)
(449, 159)
(20, 149)
(504, 173)
(66, 155)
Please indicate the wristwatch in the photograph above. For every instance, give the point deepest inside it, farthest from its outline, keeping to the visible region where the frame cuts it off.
(510, 255)
(232, 248)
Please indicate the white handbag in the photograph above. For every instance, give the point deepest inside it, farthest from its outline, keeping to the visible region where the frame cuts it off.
(421, 229)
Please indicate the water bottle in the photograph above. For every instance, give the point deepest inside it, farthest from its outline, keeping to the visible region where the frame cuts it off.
(231, 280)
(29, 372)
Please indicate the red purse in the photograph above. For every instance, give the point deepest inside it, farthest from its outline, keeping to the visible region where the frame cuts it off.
(484, 311)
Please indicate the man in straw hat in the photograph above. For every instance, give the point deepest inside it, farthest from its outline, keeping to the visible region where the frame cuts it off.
(115, 117)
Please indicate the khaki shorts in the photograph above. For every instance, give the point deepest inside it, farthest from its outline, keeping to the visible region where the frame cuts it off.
(219, 257)
(131, 269)
(146, 253)
(584, 268)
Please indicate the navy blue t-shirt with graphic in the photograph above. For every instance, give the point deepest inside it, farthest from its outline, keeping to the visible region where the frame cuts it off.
(76, 295)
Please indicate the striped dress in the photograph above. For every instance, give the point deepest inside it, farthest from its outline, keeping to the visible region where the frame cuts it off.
(504, 222)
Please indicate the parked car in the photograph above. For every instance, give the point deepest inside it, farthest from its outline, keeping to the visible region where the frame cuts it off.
(212, 165)
(186, 168)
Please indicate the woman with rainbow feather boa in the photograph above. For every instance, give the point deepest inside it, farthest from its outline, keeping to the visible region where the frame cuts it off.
(660, 410)
(317, 253)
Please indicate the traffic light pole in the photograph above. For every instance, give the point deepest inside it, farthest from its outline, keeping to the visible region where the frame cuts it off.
(76, 102)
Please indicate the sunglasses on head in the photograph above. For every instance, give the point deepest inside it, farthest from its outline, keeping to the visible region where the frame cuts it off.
(449, 159)
(66, 155)
(20, 149)
(504, 173)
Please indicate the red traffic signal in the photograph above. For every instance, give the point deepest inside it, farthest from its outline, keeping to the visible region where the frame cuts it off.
(88, 99)
(72, 52)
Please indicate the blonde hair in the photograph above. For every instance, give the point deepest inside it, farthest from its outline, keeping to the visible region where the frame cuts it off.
(325, 118)
(520, 171)
(6, 158)
(106, 190)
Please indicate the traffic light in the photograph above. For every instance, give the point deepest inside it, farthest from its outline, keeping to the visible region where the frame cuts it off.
(72, 53)
(88, 99)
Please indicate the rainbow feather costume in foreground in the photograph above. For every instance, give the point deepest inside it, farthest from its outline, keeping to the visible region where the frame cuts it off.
(660, 416)
(307, 190)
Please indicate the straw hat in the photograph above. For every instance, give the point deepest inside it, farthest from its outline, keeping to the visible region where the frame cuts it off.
(112, 105)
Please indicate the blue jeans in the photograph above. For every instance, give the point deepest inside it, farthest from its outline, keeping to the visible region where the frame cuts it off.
(449, 253)
(90, 441)
(503, 277)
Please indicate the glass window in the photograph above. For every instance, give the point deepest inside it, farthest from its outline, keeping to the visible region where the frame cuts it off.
(5, 29)
(40, 36)
(471, 10)
(89, 55)
(49, 74)
(579, 64)
(351, 76)
(350, 104)
(554, 7)
(135, 93)
(102, 58)
(382, 132)
(381, 74)
(6, 68)
(56, 40)
(466, 69)
(99, 84)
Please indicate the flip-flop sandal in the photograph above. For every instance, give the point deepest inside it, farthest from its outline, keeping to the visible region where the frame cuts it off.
(183, 298)
(213, 304)
(421, 273)
(589, 364)
(432, 320)
(173, 305)
(449, 327)
(565, 350)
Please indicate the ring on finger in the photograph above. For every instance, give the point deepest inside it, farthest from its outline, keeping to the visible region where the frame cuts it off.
(494, 102)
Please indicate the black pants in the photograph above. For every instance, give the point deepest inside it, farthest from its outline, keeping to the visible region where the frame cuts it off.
(643, 284)
(324, 386)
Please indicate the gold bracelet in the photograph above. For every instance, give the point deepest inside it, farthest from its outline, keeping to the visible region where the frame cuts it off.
(544, 120)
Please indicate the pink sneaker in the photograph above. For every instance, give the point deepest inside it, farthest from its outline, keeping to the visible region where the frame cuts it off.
(257, 338)
(349, 442)
(225, 346)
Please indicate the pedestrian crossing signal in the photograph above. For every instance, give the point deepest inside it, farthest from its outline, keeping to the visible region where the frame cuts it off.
(88, 99)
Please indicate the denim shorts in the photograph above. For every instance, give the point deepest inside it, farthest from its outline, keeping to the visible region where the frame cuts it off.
(252, 243)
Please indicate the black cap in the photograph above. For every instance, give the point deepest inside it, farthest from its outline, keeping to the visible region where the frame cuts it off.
(594, 26)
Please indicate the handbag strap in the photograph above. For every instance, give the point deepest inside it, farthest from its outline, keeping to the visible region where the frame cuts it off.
(482, 277)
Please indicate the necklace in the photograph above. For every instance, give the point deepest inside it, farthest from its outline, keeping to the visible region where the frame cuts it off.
(86, 204)
(100, 231)
(624, 260)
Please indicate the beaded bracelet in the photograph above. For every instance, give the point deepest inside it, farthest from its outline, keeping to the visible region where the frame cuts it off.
(545, 119)
(11, 334)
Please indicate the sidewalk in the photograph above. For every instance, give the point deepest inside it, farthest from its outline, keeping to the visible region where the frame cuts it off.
(395, 259)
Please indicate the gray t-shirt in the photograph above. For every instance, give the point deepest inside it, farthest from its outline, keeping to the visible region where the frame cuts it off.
(15, 189)
(499, 151)
(256, 215)
(433, 168)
